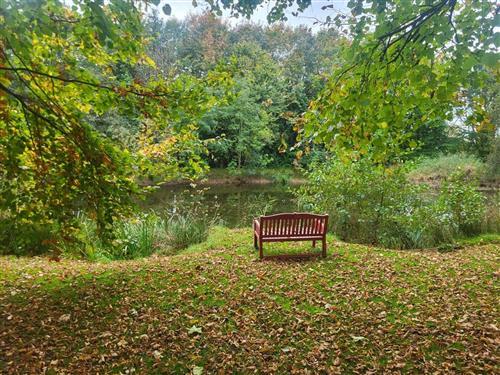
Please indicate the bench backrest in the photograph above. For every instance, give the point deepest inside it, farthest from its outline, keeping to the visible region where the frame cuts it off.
(293, 225)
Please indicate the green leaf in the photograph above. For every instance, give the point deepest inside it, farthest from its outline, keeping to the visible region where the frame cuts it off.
(167, 9)
(490, 59)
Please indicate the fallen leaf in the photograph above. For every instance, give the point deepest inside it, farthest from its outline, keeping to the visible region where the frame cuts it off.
(64, 318)
(194, 329)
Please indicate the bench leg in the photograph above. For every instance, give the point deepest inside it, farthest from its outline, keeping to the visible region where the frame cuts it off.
(261, 250)
(255, 242)
(323, 253)
(314, 243)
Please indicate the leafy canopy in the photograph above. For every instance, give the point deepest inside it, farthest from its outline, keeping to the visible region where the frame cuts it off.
(409, 61)
(60, 67)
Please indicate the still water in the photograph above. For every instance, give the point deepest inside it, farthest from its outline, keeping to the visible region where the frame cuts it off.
(233, 205)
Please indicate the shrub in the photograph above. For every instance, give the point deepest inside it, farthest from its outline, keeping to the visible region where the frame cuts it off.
(492, 169)
(137, 238)
(373, 204)
(491, 220)
(189, 219)
(27, 237)
(357, 197)
(459, 198)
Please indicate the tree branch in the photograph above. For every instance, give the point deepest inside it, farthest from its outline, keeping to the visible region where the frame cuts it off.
(117, 90)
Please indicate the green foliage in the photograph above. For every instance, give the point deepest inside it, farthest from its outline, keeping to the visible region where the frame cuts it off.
(239, 131)
(133, 238)
(276, 11)
(491, 222)
(277, 70)
(189, 220)
(137, 238)
(433, 138)
(283, 177)
(359, 197)
(458, 197)
(478, 133)
(492, 169)
(186, 230)
(408, 63)
(372, 204)
(68, 73)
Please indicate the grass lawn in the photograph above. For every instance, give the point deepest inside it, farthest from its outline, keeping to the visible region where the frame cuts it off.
(216, 309)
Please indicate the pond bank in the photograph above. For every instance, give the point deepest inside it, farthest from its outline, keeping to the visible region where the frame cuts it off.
(235, 180)
(220, 176)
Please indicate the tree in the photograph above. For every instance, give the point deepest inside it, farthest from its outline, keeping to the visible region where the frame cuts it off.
(61, 67)
(244, 131)
(408, 61)
(279, 69)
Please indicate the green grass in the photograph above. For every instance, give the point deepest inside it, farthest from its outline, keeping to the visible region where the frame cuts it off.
(436, 169)
(183, 231)
(216, 306)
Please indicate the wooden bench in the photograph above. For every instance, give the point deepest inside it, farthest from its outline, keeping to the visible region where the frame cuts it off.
(290, 227)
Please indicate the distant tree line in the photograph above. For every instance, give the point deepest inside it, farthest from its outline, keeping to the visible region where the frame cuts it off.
(277, 70)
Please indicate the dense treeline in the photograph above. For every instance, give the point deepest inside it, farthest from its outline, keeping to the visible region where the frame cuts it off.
(276, 71)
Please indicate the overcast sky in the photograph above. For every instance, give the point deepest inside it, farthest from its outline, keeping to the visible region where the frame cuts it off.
(182, 8)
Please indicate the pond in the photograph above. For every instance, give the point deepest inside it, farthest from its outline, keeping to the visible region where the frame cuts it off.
(232, 205)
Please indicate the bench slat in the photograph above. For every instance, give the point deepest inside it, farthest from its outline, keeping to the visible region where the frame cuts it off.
(291, 238)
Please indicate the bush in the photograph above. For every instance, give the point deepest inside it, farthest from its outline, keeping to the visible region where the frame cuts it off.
(27, 237)
(373, 204)
(137, 238)
(492, 169)
(491, 221)
(460, 199)
(189, 219)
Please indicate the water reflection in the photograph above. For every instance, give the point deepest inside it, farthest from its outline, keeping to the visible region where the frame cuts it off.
(235, 205)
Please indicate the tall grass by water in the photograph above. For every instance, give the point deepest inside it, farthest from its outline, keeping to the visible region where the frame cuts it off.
(138, 237)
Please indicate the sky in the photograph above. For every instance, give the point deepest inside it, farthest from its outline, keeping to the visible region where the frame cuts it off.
(182, 8)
